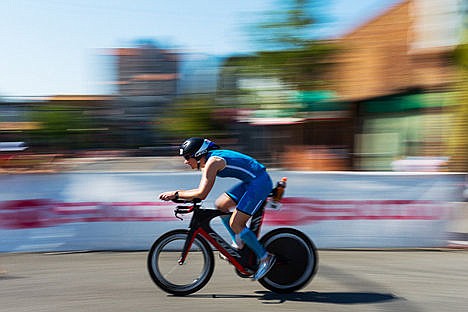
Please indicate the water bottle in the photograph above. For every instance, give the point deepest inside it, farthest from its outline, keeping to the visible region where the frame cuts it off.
(278, 193)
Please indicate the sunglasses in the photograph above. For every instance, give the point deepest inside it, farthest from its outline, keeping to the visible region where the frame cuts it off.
(187, 157)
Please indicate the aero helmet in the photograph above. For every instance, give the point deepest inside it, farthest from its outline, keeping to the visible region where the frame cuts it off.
(196, 148)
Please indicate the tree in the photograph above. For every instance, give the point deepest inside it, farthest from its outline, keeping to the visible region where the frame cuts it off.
(62, 128)
(189, 116)
(287, 49)
(286, 28)
(458, 141)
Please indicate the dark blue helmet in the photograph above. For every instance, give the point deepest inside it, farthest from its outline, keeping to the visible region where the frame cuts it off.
(196, 148)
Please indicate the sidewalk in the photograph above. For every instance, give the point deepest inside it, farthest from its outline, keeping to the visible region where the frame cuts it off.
(121, 164)
(101, 164)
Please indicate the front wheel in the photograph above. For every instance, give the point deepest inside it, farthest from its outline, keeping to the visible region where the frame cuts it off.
(296, 260)
(180, 279)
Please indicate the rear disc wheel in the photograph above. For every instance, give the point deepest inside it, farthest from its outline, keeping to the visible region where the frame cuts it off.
(296, 260)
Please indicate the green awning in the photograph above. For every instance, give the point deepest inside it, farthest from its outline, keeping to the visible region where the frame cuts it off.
(400, 103)
(320, 100)
(274, 113)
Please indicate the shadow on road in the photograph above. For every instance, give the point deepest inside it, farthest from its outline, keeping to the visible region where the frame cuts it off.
(328, 297)
(311, 296)
(5, 276)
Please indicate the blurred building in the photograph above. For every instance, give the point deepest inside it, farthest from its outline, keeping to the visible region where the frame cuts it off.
(398, 73)
(198, 73)
(392, 96)
(407, 46)
(303, 130)
(146, 71)
(147, 77)
(15, 118)
(57, 124)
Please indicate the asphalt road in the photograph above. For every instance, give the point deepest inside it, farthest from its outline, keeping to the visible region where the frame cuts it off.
(410, 281)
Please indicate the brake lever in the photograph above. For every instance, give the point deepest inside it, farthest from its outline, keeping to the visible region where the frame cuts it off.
(177, 216)
(185, 209)
(182, 210)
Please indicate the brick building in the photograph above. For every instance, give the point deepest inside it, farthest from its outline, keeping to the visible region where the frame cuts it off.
(393, 80)
(396, 70)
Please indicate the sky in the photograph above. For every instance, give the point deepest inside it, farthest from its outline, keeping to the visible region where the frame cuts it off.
(52, 47)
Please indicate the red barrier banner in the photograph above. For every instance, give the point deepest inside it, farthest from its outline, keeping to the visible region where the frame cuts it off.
(295, 211)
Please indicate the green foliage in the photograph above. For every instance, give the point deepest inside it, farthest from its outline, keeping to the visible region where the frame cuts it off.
(61, 127)
(189, 116)
(291, 54)
(459, 132)
(303, 68)
(458, 142)
(285, 28)
(461, 55)
(55, 120)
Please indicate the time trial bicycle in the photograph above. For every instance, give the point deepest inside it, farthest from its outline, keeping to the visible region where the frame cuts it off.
(181, 261)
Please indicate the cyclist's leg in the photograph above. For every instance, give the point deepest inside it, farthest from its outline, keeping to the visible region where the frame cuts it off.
(238, 224)
(266, 260)
(255, 193)
(224, 203)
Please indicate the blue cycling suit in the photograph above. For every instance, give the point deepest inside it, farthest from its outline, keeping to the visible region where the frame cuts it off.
(255, 183)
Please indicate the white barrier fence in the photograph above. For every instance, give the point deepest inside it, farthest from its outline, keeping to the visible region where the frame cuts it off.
(65, 212)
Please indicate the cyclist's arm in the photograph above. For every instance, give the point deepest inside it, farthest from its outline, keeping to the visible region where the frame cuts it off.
(207, 181)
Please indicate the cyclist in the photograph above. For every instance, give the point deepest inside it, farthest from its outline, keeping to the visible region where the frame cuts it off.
(246, 196)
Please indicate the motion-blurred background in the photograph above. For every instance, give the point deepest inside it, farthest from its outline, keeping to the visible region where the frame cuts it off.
(301, 85)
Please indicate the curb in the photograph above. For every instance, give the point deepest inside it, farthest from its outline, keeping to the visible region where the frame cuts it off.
(458, 240)
(457, 245)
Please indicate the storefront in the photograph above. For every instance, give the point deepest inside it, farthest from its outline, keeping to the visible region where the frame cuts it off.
(403, 125)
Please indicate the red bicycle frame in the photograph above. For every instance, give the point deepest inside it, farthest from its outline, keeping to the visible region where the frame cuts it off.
(244, 260)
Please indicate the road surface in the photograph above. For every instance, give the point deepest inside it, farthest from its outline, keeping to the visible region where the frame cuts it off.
(402, 280)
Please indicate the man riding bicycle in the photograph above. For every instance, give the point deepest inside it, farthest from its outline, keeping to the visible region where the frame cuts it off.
(246, 196)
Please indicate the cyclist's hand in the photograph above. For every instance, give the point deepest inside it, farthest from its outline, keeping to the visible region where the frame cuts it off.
(168, 195)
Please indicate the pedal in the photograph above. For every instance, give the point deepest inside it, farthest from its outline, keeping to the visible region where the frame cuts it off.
(223, 257)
